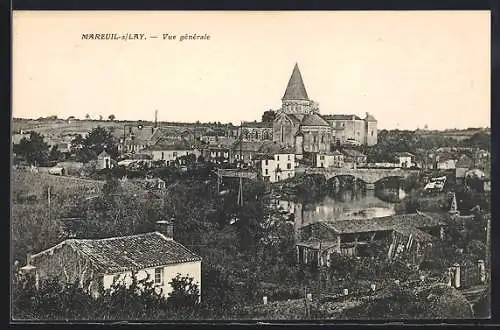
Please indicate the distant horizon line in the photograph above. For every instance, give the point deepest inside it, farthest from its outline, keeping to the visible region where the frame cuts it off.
(239, 124)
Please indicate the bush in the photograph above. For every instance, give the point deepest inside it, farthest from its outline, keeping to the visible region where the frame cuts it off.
(185, 292)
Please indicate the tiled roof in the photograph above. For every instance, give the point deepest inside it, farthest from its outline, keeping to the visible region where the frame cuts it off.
(295, 90)
(382, 224)
(408, 230)
(118, 254)
(222, 142)
(341, 117)
(172, 145)
(270, 147)
(314, 119)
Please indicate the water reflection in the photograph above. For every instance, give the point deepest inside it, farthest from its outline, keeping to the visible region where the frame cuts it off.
(346, 204)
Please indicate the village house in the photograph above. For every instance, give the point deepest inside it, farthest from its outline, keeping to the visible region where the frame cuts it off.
(330, 159)
(99, 263)
(278, 165)
(445, 162)
(405, 159)
(463, 164)
(136, 139)
(355, 237)
(246, 151)
(219, 150)
(170, 151)
(354, 158)
(104, 161)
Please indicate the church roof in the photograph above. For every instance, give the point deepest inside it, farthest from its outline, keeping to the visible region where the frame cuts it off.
(341, 117)
(314, 119)
(369, 117)
(291, 116)
(295, 90)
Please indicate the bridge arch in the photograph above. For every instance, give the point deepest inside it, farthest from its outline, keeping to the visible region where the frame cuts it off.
(368, 176)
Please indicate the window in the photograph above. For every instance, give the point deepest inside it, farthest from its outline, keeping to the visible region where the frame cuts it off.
(162, 155)
(175, 154)
(289, 174)
(266, 171)
(314, 138)
(322, 138)
(321, 157)
(266, 162)
(278, 157)
(289, 166)
(372, 133)
(282, 133)
(116, 278)
(159, 275)
(288, 157)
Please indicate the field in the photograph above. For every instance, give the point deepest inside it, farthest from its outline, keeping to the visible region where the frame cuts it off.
(25, 183)
(33, 227)
(59, 128)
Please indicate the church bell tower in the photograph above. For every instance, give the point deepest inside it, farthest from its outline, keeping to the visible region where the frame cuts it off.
(295, 100)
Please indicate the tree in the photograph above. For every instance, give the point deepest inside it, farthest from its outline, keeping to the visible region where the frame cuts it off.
(111, 117)
(100, 117)
(478, 140)
(34, 150)
(99, 139)
(55, 154)
(268, 116)
(87, 116)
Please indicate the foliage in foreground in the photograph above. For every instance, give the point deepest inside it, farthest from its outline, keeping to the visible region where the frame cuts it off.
(439, 302)
(54, 300)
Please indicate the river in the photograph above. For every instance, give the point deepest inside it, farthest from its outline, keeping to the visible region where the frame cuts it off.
(347, 204)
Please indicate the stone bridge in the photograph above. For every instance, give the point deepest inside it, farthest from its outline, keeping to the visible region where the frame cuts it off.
(367, 175)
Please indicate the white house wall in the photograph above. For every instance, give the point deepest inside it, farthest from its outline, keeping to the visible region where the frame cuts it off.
(280, 161)
(170, 155)
(191, 269)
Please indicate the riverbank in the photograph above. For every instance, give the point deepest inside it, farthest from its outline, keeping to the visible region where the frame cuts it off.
(418, 200)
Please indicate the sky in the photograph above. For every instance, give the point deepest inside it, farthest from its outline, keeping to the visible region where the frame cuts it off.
(407, 69)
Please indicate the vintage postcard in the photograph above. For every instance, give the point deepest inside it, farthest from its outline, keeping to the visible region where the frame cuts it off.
(253, 166)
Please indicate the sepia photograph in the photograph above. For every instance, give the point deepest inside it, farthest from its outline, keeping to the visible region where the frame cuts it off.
(250, 166)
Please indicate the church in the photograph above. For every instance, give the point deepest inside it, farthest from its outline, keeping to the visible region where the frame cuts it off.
(298, 124)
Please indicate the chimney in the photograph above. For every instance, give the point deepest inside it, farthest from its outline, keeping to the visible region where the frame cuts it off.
(166, 227)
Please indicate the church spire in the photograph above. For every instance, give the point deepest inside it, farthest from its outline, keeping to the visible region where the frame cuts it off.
(295, 90)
